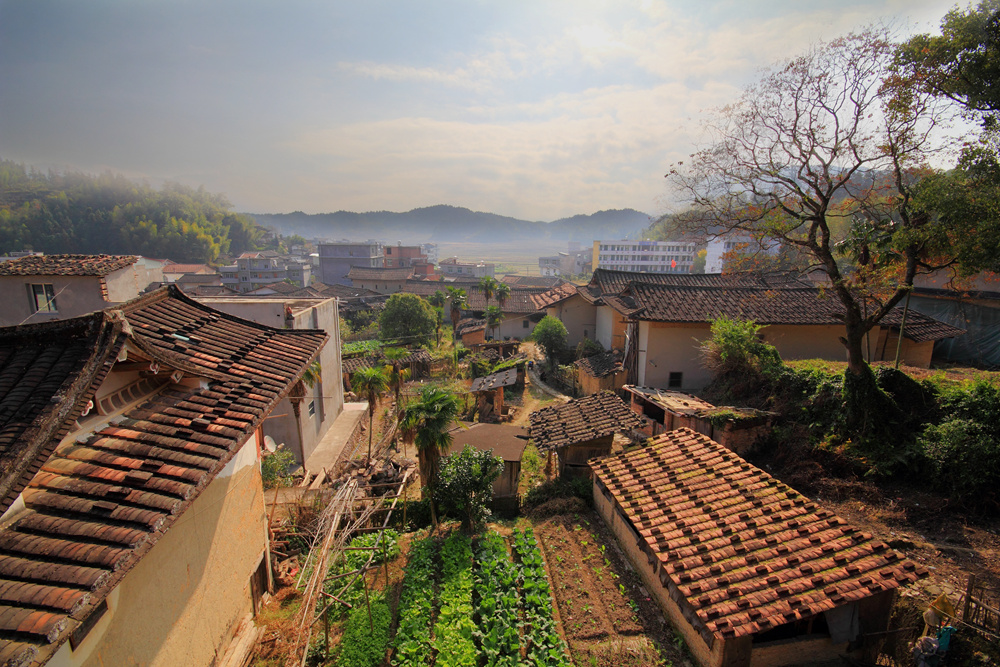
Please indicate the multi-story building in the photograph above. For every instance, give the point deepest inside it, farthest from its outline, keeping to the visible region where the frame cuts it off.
(571, 263)
(452, 268)
(401, 256)
(644, 256)
(337, 258)
(258, 269)
(431, 250)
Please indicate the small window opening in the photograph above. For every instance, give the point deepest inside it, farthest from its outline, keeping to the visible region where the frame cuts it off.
(675, 380)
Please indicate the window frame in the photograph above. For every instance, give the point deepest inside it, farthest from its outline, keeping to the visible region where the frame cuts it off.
(48, 292)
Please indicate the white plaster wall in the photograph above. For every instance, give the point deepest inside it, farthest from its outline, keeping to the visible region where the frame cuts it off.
(604, 320)
(580, 319)
(74, 296)
(672, 348)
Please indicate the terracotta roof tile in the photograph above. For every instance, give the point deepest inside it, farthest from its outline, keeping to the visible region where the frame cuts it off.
(580, 420)
(745, 551)
(602, 364)
(98, 503)
(554, 295)
(66, 265)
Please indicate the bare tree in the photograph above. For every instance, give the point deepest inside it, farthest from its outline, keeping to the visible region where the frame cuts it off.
(822, 154)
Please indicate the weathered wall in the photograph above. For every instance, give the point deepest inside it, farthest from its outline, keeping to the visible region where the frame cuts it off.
(807, 341)
(125, 284)
(702, 653)
(672, 348)
(75, 295)
(514, 327)
(578, 316)
(604, 321)
(182, 601)
(795, 652)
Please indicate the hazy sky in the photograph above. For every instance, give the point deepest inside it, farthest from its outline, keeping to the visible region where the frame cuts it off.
(537, 109)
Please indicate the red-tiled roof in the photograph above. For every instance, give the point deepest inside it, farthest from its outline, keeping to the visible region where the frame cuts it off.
(581, 420)
(554, 295)
(607, 281)
(355, 364)
(102, 500)
(602, 364)
(376, 273)
(519, 301)
(66, 265)
(738, 550)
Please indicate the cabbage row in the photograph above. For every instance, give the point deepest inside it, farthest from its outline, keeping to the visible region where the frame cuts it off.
(498, 608)
(454, 629)
(544, 645)
(416, 604)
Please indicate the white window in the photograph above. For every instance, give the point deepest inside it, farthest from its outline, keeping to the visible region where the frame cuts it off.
(42, 297)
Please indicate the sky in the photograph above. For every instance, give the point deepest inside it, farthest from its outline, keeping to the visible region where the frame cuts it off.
(538, 109)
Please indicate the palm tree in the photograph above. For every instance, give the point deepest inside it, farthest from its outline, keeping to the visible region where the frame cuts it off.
(493, 318)
(370, 383)
(397, 375)
(457, 299)
(502, 292)
(489, 286)
(426, 422)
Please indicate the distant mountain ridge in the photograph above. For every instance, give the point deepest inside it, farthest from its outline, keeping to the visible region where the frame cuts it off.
(439, 224)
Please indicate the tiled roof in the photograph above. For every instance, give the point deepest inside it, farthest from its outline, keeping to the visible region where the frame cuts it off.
(532, 281)
(519, 301)
(355, 364)
(376, 273)
(554, 295)
(602, 364)
(493, 381)
(189, 268)
(740, 551)
(506, 441)
(581, 420)
(66, 265)
(676, 402)
(801, 305)
(468, 325)
(102, 500)
(339, 291)
(280, 287)
(612, 282)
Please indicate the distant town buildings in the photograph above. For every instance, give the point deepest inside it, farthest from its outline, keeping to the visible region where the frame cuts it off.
(337, 258)
(719, 250)
(253, 270)
(452, 268)
(644, 256)
(403, 256)
(572, 263)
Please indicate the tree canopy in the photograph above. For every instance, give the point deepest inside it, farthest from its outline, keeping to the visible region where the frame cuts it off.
(80, 213)
(465, 485)
(407, 318)
(551, 335)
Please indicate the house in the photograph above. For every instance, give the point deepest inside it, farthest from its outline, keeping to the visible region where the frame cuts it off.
(41, 288)
(257, 269)
(399, 256)
(568, 305)
(506, 441)
(313, 408)
(489, 393)
(134, 528)
(173, 270)
(336, 259)
(580, 430)
(736, 429)
(192, 281)
(418, 362)
(972, 304)
(471, 331)
(379, 279)
(518, 309)
(451, 268)
(749, 571)
(668, 325)
(546, 282)
(604, 371)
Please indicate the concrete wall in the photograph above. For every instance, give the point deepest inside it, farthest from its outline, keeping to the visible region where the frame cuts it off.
(182, 601)
(514, 327)
(578, 316)
(74, 295)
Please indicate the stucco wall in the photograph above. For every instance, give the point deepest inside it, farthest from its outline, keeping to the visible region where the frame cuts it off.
(672, 348)
(603, 319)
(513, 327)
(578, 316)
(125, 284)
(74, 295)
(807, 342)
(182, 601)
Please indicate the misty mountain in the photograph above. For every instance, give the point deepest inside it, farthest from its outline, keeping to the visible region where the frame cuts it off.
(443, 224)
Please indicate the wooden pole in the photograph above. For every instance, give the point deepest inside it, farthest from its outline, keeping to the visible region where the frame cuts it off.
(968, 597)
(902, 327)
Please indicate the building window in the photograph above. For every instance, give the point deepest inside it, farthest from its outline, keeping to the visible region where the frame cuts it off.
(675, 380)
(43, 298)
(312, 408)
(524, 324)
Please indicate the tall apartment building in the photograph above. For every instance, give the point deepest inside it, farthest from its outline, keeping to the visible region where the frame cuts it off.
(648, 256)
(257, 269)
(337, 258)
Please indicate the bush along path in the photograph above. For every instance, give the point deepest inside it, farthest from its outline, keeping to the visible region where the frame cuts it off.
(543, 644)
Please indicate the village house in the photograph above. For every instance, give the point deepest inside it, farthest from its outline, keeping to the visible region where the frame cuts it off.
(173, 271)
(519, 312)
(749, 571)
(133, 527)
(604, 371)
(580, 430)
(314, 406)
(379, 279)
(42, 288)
(489, 392)
(418, 362)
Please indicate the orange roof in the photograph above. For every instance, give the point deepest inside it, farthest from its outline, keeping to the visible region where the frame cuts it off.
(738, 549)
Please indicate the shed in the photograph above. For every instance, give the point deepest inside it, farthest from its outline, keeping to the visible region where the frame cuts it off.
(507, 442)
(581, 429)
(489, 393)
(735, 428)
(747, 569)
(603, 371)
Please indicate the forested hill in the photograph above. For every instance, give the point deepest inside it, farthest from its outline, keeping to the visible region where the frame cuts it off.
(80, 213)
(453, 224)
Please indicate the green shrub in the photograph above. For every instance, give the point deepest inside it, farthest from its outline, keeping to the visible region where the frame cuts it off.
(966, 459)
(365, 641)
(275, 468)
(745, 368)
(560, 488)
(587, 347)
